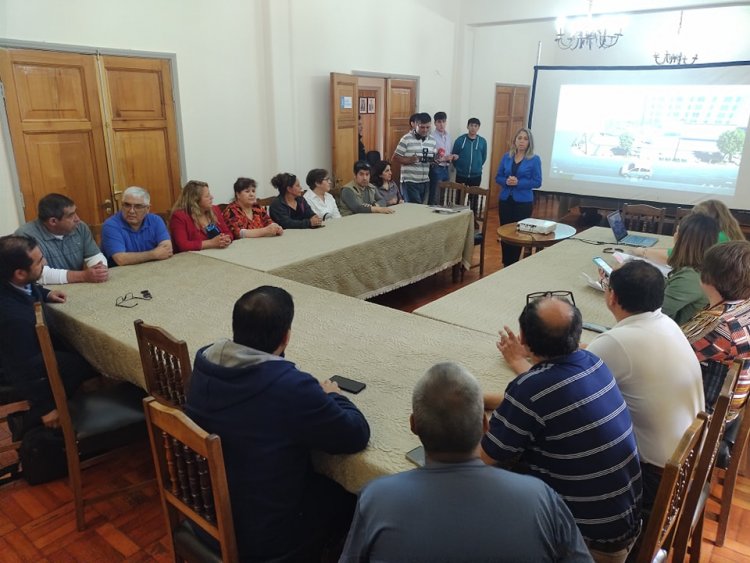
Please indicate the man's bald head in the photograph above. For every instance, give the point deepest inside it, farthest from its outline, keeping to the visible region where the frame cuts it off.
(551, 327)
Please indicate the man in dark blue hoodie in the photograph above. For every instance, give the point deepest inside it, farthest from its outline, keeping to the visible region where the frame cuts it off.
(270, 416)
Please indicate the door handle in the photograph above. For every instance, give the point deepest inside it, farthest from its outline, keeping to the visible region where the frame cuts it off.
(107, 205)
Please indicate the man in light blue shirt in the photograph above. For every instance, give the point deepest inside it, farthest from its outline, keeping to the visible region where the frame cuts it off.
(134, 235)
(455, 508)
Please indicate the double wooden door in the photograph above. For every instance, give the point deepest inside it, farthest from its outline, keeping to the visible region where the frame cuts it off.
(400, 103)
(511, 113)
(88, 126)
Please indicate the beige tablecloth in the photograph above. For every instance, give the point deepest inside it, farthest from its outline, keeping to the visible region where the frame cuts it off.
(497, 300)
(332, 334)
(362, 255)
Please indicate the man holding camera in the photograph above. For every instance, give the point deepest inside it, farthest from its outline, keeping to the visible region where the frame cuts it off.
(415, 152)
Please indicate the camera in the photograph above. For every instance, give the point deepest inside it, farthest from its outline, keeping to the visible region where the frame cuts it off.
(426, 156)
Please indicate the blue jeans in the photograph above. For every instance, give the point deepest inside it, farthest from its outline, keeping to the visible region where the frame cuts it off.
(416, 192)
(437, 174)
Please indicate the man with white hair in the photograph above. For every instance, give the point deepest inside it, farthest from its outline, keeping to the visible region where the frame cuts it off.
(456, 508)
(134, 235)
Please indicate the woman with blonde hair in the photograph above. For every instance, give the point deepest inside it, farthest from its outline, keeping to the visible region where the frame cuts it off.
(195, 223)
(729, 229)
(683, 294)
(519, 173)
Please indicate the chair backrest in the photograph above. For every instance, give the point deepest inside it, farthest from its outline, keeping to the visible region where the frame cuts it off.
(265, 202)
(190, 472)
(449, 193)
(682, 212)
(698, 491)
(166, 363)
(671, 493)
(478, 200)
(58, 390)
(644, 218)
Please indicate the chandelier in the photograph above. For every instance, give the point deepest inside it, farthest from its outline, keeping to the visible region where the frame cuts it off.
(586, 33)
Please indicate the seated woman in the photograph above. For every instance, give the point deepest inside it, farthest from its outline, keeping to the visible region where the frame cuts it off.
(382, 180)
(317, 196)
(729, 229)
(683, 295)
(195, 223)
(245, 217)
(721, 333)
(360, 196)
(290, 210)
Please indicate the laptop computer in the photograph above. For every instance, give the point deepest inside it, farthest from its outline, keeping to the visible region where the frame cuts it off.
(621, 233)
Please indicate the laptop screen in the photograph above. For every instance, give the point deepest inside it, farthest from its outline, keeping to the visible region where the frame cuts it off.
(618, 227)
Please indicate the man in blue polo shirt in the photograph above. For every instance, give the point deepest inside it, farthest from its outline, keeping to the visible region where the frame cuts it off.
(134, 235)
(564, 421)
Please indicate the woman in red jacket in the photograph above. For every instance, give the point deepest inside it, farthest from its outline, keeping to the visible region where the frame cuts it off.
(195, 223)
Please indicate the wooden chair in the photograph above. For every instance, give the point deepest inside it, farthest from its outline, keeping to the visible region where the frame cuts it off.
(265, 202)
(166, 364)
(680, 213)
(449, 193)
(91, 423)
(644, 218)
(192, 483)
(729, 477)
(11, 471)
(689, 531)
(477, 200)
(659, 532)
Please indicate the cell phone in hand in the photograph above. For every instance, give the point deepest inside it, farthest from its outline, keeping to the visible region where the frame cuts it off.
(348, 385)
(601, 263)
(416, 456)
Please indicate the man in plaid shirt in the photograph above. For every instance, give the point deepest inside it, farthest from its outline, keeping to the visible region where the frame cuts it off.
(720, 333)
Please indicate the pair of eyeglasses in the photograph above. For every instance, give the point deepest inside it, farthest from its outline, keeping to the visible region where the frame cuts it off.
(560, 294)
(128, 301)
(611, 250)
(136, 206)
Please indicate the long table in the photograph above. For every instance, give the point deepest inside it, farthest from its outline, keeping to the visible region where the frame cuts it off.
(332, 334)
(497, 300)
(362, 255)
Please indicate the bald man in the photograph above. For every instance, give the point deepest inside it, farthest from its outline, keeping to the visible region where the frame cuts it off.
(564, 421)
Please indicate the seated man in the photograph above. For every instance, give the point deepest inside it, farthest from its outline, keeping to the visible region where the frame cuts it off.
(654, 366)
(21, 264)
(134, 235)
(360, 196)
(564, 420)
(66, 242)
(456, 508)
(270, 416)
(721, 333)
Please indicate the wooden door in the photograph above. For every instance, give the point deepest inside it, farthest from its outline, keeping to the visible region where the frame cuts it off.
(511, 113)
(401, 103)
(139, 114)
(54, 114)
(369, 120)
(344, 132)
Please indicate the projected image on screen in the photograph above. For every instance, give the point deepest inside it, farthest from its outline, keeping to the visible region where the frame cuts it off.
(669, 137)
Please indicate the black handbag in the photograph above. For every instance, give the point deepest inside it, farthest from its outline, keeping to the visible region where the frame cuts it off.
(42, 455)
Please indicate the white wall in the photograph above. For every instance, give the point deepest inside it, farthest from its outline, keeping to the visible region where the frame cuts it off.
(253, 75)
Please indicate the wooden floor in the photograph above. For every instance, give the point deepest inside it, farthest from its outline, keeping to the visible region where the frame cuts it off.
(38, 523)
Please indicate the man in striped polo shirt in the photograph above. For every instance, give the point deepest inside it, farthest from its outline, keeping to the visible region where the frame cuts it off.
(415, 152)
(564, 420)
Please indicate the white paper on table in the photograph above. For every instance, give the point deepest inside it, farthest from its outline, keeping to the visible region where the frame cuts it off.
(591, 282)
(623, 257)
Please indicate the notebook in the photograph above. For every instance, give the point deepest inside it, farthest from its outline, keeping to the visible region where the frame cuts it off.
(621, 234)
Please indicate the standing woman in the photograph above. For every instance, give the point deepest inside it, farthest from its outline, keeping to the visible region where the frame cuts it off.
(382, 179)
(520, 171)
(245, 217)
(195, 223)
(290, 210)
(683, 294)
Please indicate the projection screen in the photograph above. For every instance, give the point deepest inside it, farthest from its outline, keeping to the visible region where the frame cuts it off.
(671, 134)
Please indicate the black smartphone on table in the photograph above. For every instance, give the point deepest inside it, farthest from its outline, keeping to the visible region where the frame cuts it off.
(348, 385)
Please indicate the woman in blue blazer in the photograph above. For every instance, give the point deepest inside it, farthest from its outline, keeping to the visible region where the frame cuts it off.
(520, 172)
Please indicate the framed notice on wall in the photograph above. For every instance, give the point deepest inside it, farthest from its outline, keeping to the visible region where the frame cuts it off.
(370, 105)
(363, 105)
